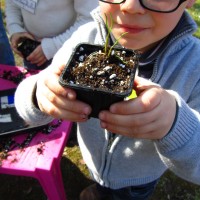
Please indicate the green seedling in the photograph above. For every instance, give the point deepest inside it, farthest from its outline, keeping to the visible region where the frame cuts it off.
(107, 49)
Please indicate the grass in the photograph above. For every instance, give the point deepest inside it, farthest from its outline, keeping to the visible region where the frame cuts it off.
(76, 175)
(195, 12)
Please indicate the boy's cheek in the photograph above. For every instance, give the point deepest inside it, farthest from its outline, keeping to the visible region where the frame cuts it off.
(106, 9)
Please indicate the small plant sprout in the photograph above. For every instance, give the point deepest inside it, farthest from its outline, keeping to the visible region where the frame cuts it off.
(107, 49)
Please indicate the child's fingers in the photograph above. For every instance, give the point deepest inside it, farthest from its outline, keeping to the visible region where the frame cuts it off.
(56, 100)
(146, 131)
(50, 82)
(51, 102)
(134, 120)
(141, 84)
(37, 56)
(62, 101)
(55, 111)
(147, 101)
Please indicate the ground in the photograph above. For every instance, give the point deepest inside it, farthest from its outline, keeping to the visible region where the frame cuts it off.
(76, 178)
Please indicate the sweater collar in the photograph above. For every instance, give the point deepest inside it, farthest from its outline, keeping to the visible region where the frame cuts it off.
(184, 26)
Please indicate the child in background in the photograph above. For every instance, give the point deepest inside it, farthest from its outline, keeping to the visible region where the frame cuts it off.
(6, 54)
(158, 130)
(50, 22)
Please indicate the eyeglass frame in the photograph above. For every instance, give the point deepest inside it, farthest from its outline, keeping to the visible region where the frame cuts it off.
(142, 4)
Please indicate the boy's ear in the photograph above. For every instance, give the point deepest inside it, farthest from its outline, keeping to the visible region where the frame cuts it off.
(190, 3)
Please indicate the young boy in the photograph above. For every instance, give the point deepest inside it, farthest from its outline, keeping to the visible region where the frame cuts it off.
(158, 130)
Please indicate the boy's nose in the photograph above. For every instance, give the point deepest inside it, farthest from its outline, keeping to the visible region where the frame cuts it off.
(132, 6)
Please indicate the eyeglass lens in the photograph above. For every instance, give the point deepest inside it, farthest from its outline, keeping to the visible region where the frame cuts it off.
(154, 5)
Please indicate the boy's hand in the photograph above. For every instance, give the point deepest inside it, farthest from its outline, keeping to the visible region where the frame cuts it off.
(17, 38)
(57, 101)
(37, 56)
(149, 116)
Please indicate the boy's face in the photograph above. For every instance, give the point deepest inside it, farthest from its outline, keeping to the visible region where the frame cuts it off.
(145, 28)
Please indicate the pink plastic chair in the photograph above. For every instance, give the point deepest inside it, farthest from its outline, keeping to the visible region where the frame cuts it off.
(41, 159)
(45, 165)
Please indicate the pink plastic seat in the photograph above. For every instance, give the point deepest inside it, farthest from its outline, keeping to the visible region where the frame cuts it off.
(41, 159)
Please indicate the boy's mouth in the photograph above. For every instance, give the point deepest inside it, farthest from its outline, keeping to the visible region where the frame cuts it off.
(132, 29)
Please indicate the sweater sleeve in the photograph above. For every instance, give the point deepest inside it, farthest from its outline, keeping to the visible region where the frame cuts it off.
(14, 21)
(24, 102)
(179, 149)
(83, 8)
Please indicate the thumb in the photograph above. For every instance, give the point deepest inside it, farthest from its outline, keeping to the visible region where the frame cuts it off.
(28, 35)
(60, 69)
(141, 84)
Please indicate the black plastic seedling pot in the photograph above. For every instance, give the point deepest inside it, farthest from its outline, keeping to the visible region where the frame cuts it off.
(27, 47)
(98, 98)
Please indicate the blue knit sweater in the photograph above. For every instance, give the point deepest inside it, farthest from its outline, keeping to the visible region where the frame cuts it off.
(130, 161)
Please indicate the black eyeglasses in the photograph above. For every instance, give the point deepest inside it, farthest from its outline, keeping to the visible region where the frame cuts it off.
(162, 6)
